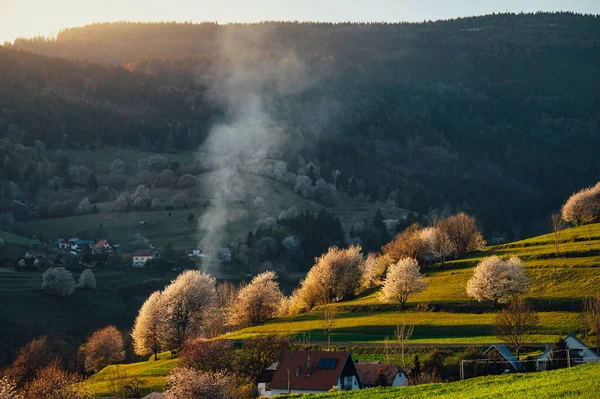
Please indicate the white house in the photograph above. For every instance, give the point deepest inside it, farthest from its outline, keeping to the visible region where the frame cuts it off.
(578, 353)
(311, 372)
(141, 256)
(368, 373)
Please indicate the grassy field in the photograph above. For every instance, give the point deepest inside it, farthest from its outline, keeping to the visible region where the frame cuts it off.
(154, 374)
(576, 382)
(448, 315)
(119, 294)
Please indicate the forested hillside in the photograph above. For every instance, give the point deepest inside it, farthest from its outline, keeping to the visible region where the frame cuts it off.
(494, 115)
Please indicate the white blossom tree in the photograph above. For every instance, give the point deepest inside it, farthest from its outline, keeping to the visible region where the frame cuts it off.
(335, 276)
(402, 279)
(370, 271)
(257, 301)
(87, 279)
(583, 206)
(497, 280)
(8, 389)
(183, 306)
(187, 383)
(437, 243)
(58, 281)
(146, 328)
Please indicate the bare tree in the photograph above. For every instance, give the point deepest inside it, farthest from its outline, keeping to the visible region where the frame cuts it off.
(497, 280)
(514, 322)
(463, 233)
(403, 333)
(558, 225)
(329, 322)
(591, 317)
(403, 278)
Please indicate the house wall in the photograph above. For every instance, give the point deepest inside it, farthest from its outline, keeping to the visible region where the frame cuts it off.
(275, 392)
(400, 380)
(262, 390)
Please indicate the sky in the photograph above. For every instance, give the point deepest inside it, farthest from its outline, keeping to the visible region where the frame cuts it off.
(27, 18)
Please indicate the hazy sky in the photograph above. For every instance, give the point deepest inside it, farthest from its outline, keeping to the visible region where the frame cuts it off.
(46, 17)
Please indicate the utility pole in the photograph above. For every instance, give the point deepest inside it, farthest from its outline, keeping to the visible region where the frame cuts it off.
(462, 370)
(289, 381)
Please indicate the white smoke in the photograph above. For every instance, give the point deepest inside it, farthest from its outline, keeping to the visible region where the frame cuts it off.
(248, 83)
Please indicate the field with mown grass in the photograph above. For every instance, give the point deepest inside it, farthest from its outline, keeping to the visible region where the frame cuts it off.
(576, 382)
(443, 313)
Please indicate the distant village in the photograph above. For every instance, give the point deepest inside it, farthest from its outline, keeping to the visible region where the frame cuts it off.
(91, 253)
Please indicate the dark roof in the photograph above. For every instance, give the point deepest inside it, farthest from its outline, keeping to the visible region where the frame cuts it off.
(266, 376)
(368, 372)
(144, 252)
(507, 355)
(320, 379)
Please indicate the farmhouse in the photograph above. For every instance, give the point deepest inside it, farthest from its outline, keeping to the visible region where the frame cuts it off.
(305, 372)
(102, 246)
(576, 353)
(195, 253)
(77, 245)
(374, 374)
(61, 243)
(502, 359)
(141, 256)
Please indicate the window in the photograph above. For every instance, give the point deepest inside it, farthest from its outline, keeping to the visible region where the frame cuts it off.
(327, 363)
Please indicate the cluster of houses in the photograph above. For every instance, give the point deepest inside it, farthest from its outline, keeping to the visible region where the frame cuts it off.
(311, 372)
(575, 353)
(76, 246)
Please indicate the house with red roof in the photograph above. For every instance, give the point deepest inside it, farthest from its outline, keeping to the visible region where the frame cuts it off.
(373, 374)
(102, 246)
(141, 256)
(307, 372)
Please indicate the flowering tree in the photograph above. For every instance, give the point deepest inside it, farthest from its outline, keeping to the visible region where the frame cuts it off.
(184, 304)
(87, 279)
(104, 347)
(8, 389)
(497, 280)
(403, 278)
(335, 276)
(257, 301)
(583, 206)
(187, 383)
(58, 281)
(370, 271)
(146, 328)
(437, 242)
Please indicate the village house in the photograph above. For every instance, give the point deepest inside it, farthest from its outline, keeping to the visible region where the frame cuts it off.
(77, 245)
(369, 374)
(61, 243)
(195, 253)
(102, 246)
(310, 372)
(576, 353)
(502, 360)
(141, 256)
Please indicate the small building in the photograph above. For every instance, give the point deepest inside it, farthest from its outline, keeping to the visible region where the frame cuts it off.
(264, 381)
(576, 353)
(502, 360)
(195, 253)
(311, 372)
(61, 243)
(102, 246)
(369, 373)
(224, 254)
(141, 256)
